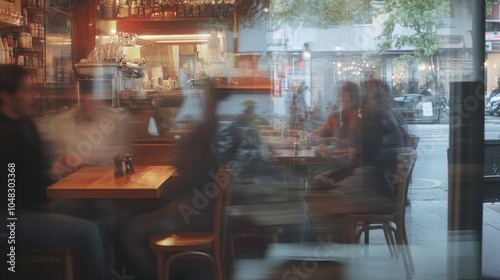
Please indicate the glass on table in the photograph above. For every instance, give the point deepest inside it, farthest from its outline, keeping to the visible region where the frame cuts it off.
(296, 143)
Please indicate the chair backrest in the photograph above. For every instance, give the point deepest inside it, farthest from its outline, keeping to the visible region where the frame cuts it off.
(406, 163)
(223, 188)
(414, 139)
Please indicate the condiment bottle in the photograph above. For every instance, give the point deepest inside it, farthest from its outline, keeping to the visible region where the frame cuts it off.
(118, 165)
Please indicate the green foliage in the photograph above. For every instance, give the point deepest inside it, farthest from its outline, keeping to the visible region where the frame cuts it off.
(420, 20)
(317, 13)
(489, 8)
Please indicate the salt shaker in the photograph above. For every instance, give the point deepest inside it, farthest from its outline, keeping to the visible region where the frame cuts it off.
(129, 168)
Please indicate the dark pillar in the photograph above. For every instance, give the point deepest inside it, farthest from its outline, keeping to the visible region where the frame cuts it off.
(465, 198)
(466, 161)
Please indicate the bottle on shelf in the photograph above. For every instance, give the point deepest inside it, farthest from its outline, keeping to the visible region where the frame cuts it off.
(156, 10)
(148, 10)
(134, 10)
(195, 9)
(210, 8)
(99, 10)
(202, 7)
(180, 9)
(108, 9)
(2, 54)
(25, 17)
(140, 9)
(6, 50)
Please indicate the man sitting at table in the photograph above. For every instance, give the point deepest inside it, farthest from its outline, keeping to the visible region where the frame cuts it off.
(367, 190)
(26, 169)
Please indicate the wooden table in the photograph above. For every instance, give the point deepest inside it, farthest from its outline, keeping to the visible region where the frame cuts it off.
(99, 182)
(307, 155)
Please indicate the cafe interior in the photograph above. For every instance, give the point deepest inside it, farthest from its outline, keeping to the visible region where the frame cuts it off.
(194, 139)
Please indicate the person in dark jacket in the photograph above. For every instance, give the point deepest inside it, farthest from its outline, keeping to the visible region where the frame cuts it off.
(25, 174)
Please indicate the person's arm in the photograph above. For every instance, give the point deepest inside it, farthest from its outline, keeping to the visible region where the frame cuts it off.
(330, 128)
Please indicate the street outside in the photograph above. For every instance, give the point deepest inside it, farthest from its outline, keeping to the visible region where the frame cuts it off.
(430, 176)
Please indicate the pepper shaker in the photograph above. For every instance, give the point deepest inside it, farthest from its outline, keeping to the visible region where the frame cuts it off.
(118, 165)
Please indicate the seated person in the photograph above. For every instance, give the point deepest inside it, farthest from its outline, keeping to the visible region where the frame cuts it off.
(90, 134)
(366, 190)
(29, 169)
(182, 207)
(347, 134)
(343, 126)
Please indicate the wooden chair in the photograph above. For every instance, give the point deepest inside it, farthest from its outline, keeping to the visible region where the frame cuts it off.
(393, 224)
(211, 245)
(413, 144)
(53, 262)
(414, 141)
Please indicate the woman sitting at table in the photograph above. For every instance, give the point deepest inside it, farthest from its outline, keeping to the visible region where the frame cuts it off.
(367, 190)
(343, 126)
(347, 134)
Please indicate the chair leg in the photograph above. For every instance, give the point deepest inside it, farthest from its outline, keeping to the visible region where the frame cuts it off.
(408, 253)
(353, 236)
(367, 232)
(160, 266)
(391, 233)
(68, 266)
(404, 255)
(389, 239)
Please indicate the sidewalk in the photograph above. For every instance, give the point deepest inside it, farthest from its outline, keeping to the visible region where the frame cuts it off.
(428, 237)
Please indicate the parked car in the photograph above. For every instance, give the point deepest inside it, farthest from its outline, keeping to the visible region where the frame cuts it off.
(422, 107)
(493, 106)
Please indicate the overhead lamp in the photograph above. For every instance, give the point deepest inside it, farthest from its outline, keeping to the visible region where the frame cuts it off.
(181, 38)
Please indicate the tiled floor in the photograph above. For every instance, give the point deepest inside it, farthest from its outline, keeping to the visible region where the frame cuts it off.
(428, 237)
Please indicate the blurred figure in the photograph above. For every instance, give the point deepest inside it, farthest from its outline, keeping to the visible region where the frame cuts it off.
(91, 134)
(494, 92)
(298, 110)
(345, 125)
(27, 168)
(346, 132)
(196, 165)
(249, 118)
(242, 143)
(87, 135)
(368, 189)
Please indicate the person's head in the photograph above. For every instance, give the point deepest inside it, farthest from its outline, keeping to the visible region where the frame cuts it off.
(249, 106)
(350, 95)
(16, 91)
(377, 97)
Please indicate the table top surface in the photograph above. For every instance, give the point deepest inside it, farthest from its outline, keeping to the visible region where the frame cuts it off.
(100, 182)
(309, 155)
(282, 150)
